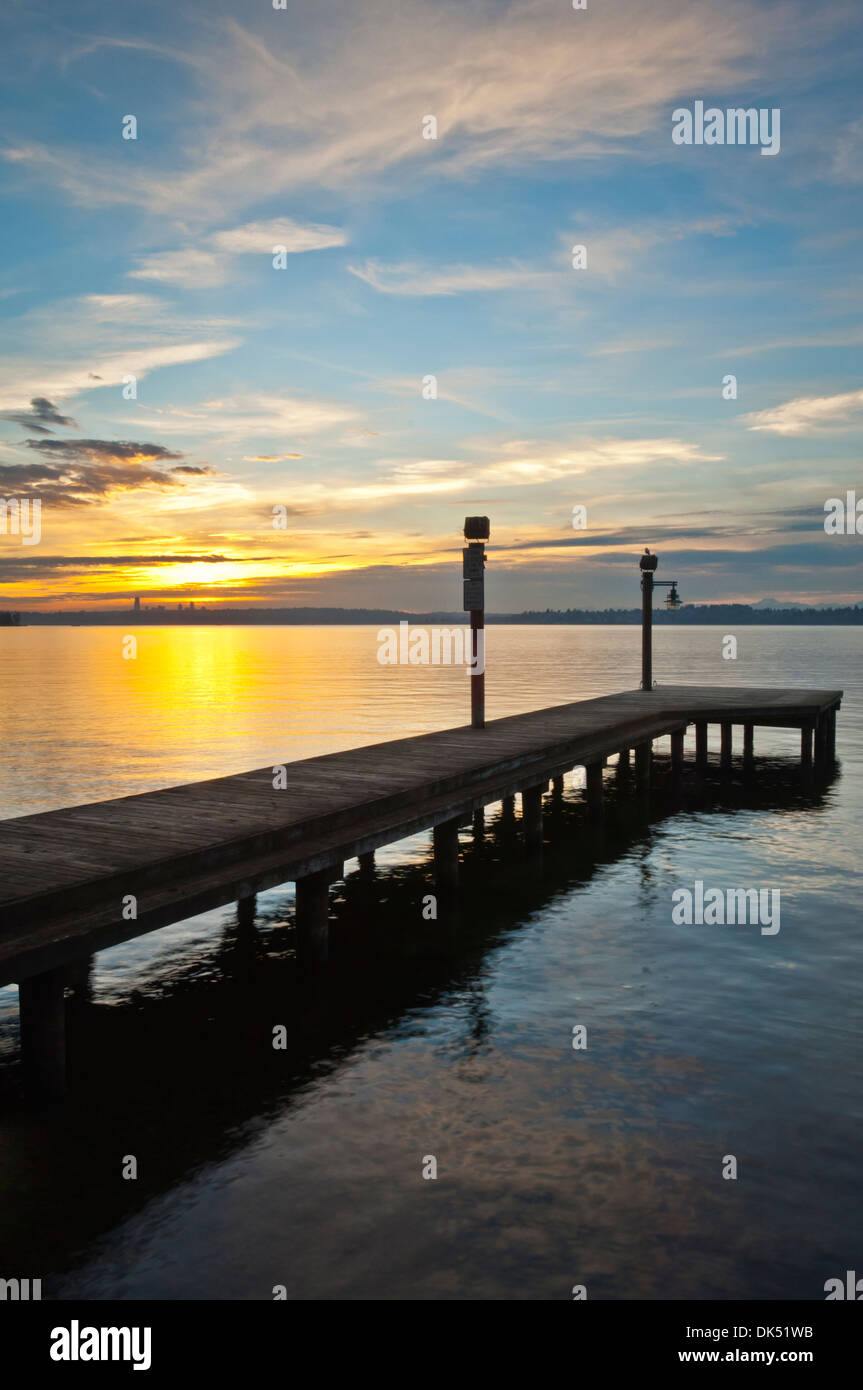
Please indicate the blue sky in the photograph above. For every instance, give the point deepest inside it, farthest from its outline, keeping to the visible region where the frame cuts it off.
(302, 387)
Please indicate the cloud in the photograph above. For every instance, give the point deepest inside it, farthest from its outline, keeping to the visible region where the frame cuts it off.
(329, 104)
(95, 341)
(809, 414)
(413, 279)
(42, 412)
(259, 238)
(269, 458)
(84, 472)
(610, 252)
(94, 450)
(193, 267)
(254, 414)
(206, 265)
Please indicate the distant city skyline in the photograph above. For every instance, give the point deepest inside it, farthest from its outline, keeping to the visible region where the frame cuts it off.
(288, 293)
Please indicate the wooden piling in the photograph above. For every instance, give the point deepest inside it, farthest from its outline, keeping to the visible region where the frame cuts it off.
(748, 747)
(594, 790)
(531, 815)
(643, 765)
(677, 751)
(725, 746)
(313, 916)
(42, 1012)
(700, 747)
(246, 908)
(446, 857)
(806, 746)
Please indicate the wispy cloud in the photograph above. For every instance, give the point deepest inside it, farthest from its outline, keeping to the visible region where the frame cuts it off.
(206, 264)
(414, 279)
(331, 105)
(809, 414)
(97, 340)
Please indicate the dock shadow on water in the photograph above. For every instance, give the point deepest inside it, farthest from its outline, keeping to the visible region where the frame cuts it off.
(445, 1036)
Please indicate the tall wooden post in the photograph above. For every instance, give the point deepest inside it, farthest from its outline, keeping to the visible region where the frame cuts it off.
(476, 533)
(748, 747)
(646, 630)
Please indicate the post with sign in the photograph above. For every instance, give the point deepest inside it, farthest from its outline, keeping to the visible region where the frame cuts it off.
(476, 533)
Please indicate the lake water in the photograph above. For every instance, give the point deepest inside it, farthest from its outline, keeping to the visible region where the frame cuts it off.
(303, 1167)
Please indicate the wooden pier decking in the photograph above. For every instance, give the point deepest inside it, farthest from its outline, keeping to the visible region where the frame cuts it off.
(67, 877)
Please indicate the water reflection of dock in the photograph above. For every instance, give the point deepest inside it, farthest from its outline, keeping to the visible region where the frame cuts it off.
(79, 880)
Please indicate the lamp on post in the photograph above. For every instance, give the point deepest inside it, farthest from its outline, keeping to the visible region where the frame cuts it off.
(647, 564)
(476, 533)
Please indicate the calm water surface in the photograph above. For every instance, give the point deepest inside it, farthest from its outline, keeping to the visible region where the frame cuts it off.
(302, 1167)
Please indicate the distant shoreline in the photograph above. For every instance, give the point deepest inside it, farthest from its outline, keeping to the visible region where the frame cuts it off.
(715, 614)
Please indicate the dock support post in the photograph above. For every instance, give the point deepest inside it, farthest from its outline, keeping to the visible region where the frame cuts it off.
(557, 787)
(246, 912)
(42, 1011)
(748, 747)
(478, 824)
(531, 815)
(831, 737)
(79, 978)
(367, 874)
(508, 809)
(623, 761)
(701, 747)
(313, 915)
(825, 739)
(594, 789)
(806, 747)
(677, 751)
(643, 764)
(725, 747)
(446, 857)
(821, 742)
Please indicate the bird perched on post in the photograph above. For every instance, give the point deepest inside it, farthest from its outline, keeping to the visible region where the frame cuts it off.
(648, 561)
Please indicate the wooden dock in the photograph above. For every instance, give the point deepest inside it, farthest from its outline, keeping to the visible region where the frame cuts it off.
(75, 881)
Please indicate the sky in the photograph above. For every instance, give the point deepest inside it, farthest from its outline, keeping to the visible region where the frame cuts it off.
(204, 418)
